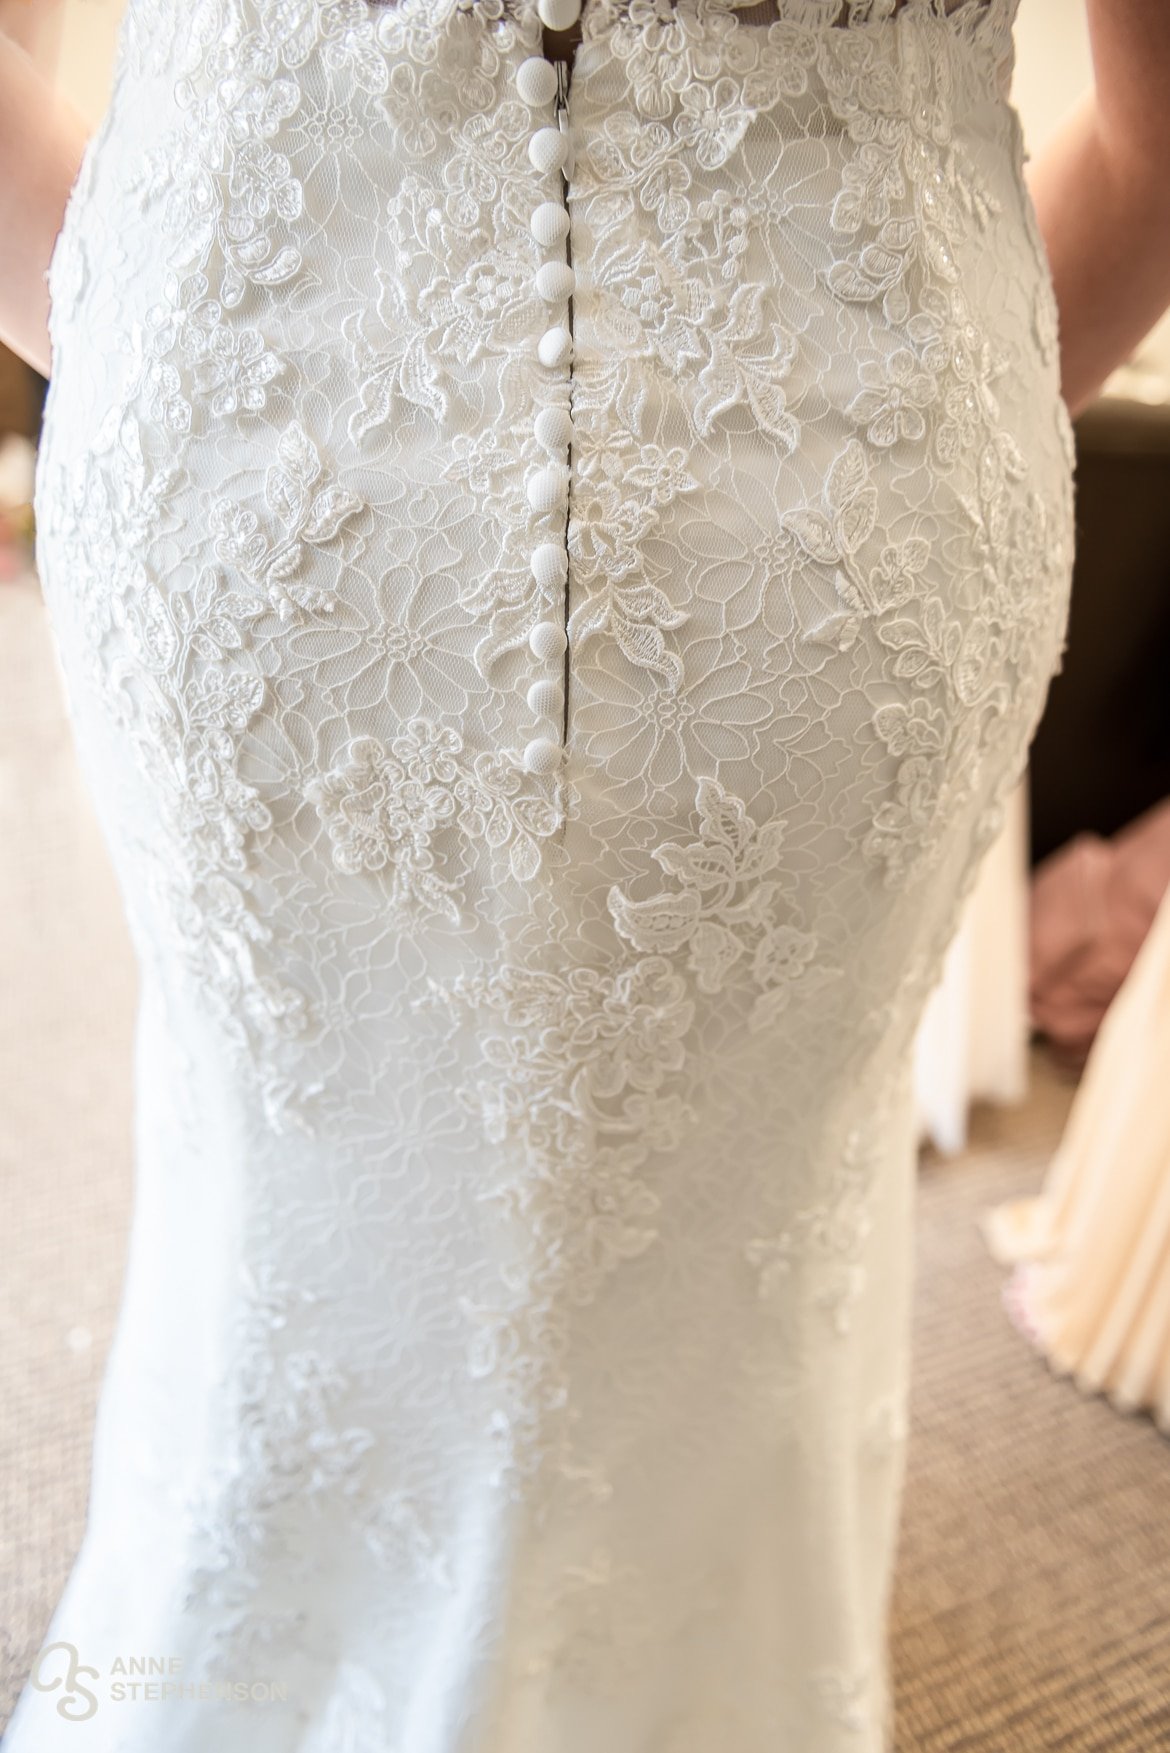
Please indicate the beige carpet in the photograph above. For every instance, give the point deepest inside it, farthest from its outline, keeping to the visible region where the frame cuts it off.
(1032, 1600)
(1032, 1606)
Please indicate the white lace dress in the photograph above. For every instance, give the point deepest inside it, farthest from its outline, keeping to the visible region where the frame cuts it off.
(555, 581)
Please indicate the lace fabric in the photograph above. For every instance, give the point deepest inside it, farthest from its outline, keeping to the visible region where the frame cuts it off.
(836, 13)
(537, 856)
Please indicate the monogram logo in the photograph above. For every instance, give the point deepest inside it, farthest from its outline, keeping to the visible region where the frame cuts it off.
(73, 1695)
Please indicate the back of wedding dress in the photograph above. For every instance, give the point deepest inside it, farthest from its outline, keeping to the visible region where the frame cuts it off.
(545, 724)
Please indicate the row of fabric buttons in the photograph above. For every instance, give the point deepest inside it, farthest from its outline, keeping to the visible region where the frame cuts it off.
(539, 84)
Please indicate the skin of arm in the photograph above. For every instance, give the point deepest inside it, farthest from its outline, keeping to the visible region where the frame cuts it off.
(41, 143)
(1101, 190)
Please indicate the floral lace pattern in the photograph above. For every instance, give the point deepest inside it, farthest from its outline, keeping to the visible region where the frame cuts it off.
(722, 914)
(540, 854)
(386, 808)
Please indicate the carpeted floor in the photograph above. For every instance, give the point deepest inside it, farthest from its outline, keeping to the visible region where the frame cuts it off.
(1032, 1603)
(1032, 1599)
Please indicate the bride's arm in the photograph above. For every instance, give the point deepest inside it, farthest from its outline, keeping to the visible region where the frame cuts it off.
(41, 142)
(1101, 188)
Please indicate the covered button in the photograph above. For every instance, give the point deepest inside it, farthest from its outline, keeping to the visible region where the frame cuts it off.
(547, 639)
(536, 80)
(547, 488)
(550, 223)
(548, 148)
(555, 280)
(550, 566)
(558, 14)
(555, 347)
(544, 698)
(542, 755)
(553, 427)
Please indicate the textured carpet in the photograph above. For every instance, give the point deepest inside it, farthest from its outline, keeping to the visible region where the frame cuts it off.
(1032, 1600)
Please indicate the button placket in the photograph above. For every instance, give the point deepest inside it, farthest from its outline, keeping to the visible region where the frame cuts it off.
(541, 83)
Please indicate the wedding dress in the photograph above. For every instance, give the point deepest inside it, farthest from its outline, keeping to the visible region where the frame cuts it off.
(555, 576)
(1090, 1252)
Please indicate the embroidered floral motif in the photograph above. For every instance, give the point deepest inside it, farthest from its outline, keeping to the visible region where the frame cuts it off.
(586, 1084)
(234, 368)
(309, 505)
(621, 491)
(896, 391)
(724, 911)
(824, 1243)
(285, 1446)
(292, 1456)
(386, 807)
(394, 1529)
(579, 1076)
